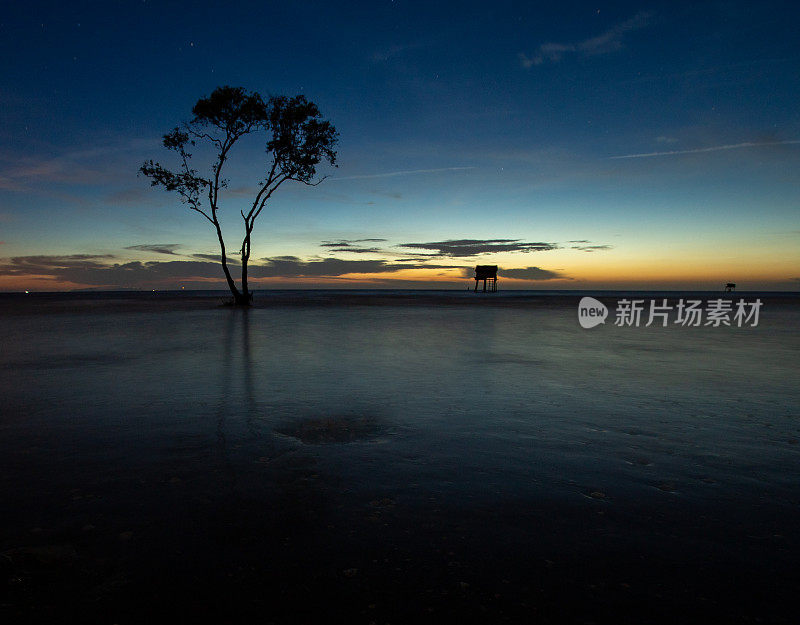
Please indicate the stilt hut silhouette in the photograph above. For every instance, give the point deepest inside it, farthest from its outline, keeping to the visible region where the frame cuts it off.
(731, 286)
(487, 273)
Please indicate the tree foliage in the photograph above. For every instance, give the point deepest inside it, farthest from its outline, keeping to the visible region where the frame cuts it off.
(297, 140)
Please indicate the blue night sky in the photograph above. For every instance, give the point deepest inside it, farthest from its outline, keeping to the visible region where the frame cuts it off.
(576, 145)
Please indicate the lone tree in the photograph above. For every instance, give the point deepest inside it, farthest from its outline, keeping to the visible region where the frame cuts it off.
(297, 140)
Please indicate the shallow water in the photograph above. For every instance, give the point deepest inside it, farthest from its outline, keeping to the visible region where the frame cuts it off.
(429, 423)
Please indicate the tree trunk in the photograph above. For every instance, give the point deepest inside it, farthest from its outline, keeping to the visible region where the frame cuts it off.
(238, 298)
(246, 295)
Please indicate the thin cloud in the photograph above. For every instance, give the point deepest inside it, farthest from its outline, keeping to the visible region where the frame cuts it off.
(612, 38)
(216, 257)
(405, 172)
(346, 242)
(358, 250)
(158, 248)
(603, 43)
(346, 245)
(592, 248)
(715, 148)
(92, 165)
(462, 248)
(531, 273)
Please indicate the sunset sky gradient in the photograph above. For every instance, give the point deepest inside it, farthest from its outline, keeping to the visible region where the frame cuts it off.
(578, 146)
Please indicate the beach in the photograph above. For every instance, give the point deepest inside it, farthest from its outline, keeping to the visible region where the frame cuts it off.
(394, 457)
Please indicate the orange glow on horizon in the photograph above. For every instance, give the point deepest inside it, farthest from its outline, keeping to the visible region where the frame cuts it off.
(635, 275)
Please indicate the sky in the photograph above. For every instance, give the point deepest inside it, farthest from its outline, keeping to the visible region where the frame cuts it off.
(575, 145)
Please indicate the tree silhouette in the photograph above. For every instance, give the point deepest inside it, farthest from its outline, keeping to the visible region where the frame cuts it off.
(297, 140)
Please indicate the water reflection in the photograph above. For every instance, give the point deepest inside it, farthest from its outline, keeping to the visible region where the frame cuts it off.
(248, 366)
(235, 366)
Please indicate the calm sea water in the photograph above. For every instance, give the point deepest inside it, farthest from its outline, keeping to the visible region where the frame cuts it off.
(495, 414)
